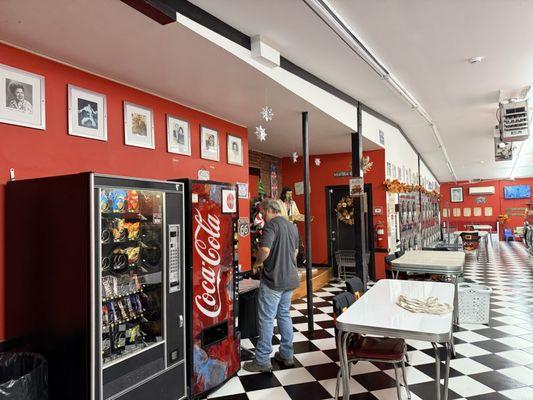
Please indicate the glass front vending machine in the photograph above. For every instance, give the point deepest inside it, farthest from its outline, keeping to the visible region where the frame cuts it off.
(101, 285)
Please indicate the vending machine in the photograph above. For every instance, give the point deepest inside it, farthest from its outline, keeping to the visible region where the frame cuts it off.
(95, 281)
(211, 270)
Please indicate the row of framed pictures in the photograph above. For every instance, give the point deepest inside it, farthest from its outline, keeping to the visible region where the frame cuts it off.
(411, 177)
(22, 102)
(467, 212)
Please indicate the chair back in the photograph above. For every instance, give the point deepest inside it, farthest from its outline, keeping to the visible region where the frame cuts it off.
(355, 286)
(470, 240)
(341, 302)
(399, 253)
(508, 232)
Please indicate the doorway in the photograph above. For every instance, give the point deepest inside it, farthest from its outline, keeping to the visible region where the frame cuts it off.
(341, 236)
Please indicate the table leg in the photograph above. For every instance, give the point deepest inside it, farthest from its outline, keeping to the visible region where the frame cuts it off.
(341, 360)
(342, 338)
(437, 371)
(447, 373)
(456, 299)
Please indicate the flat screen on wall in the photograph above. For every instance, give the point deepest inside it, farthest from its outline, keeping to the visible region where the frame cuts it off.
(517, 192)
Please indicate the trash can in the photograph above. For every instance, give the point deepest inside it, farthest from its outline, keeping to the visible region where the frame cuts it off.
(23, 376)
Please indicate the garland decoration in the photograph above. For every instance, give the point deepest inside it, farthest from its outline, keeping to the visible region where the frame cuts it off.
(395, 186)
(344, 210)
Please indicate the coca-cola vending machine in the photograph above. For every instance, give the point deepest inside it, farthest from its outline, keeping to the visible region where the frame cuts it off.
(211, 271)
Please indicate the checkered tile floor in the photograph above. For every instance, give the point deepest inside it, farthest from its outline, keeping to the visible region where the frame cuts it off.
(493, 362)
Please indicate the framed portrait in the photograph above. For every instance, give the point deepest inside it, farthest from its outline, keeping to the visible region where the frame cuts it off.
(235, 155)
(209, 144)
(456, 194)
(87, 114)
(229, 201)
(22, 99)
(178, 136)
(138, 126)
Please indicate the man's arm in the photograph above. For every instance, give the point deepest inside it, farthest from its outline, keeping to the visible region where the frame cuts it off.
(260, 257)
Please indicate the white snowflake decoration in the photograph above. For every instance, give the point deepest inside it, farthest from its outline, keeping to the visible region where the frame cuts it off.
(260, 132)
(267, 114)
(317, 162)
(295, 157)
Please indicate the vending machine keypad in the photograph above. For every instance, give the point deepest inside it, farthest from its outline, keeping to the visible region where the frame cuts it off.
(174, 258)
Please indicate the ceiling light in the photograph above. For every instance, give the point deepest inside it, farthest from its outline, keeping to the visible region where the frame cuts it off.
(476, 60)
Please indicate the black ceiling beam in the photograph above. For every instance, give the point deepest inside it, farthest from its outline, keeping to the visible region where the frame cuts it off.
(159, 11)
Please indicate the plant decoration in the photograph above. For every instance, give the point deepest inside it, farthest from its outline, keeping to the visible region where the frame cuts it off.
(345, 211)
(395, 186)
(366, 164)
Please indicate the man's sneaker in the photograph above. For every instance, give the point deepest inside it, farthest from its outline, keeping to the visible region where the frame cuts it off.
(287, 362)
(252, 366)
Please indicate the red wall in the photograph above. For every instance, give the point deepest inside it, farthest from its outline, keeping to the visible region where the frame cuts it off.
(36, 153)
(498, 203)
(322, 176)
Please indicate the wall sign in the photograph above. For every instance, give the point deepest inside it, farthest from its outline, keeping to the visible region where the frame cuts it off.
(356, 187)
(382, 137)
(243, 190)
(342, 174)
(244, 227)
(203, 175)
(481, 200)
(378, 210)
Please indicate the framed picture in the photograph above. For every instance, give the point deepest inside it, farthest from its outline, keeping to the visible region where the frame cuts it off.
(235, 150)
(138, 126)
(87, 114)
(21, 98)
(209, 144)
(456, 194)
(178, 136)
(229, 201)
(243, 190)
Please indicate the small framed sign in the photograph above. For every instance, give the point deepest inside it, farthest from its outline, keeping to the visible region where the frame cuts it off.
(229, 201)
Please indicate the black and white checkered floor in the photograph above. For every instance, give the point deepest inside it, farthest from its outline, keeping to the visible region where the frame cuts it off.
(493, 362)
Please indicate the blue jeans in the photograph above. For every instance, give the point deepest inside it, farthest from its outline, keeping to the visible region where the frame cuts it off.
(273, 304)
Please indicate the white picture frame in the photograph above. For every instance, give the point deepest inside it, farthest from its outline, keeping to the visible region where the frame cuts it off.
(234, 150)
(138, 126)
(477, 211)
(209, 144)
(22, 98)
(456, 194)
(178, 136)
(229, 201)
(467, 212)
(87, 113)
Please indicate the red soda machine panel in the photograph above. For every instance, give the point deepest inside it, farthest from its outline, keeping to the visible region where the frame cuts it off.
(212, 267)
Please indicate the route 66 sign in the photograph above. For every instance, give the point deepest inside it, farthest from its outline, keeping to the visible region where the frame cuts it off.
(244, 227)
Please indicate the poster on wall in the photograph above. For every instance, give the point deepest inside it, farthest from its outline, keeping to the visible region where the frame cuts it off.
(389, 174)
(299, 188)
(178, 136)
(87, 113)
(234, 148)
(274, 181)
(477, 211)
(393, 171)
(209, 144)
(356, 187)
(467, 211)
(229, 201)
(21, 98)
(488, 211)
(138, 126)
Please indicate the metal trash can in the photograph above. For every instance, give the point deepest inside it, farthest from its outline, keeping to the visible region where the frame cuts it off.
(23, 376)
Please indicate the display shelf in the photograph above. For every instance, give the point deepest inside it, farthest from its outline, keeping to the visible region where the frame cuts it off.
(129, 215)
(120, 296)
(123, 321)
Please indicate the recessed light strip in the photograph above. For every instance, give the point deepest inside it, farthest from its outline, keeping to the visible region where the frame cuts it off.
(331, 17)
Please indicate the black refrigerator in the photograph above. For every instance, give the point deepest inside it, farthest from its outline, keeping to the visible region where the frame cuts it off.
(95, 281)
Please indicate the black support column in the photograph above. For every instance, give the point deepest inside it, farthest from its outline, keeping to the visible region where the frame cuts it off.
(359, 220)
(307, 213)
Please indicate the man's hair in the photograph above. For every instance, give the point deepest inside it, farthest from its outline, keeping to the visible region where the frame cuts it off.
(272, 205)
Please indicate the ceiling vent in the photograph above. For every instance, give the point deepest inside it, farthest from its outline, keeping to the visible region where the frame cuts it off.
(514, 121)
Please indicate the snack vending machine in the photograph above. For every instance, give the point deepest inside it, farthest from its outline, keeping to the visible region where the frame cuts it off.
(211, 269)
(99, 282)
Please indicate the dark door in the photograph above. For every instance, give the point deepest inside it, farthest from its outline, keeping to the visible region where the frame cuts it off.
(369, 219)
(341, 236)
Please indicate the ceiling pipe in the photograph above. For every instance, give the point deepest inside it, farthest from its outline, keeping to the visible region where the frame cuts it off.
(332, 18)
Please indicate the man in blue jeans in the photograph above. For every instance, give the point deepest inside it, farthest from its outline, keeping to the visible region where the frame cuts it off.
(277, 253)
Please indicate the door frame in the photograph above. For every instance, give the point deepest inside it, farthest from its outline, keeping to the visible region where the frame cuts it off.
(331, 256)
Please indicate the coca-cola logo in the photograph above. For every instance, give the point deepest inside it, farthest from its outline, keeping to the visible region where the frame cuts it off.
(208, 302)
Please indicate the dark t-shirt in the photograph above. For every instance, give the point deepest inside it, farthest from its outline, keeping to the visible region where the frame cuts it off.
(279, 269)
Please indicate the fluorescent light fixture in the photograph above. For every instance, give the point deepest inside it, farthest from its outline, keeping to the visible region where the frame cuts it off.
(333, 19)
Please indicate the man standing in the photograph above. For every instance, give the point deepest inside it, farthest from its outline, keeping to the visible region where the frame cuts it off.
(277, 252)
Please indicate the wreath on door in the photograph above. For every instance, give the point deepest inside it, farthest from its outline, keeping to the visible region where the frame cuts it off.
(345, 211)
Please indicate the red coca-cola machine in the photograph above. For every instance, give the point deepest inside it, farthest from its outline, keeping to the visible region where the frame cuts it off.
(213, 336)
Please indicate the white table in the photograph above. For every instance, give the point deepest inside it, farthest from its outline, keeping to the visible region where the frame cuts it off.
(376, 313)
(447, 263)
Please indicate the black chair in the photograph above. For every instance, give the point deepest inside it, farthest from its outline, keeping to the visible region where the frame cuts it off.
(388, 265)
(354, 285)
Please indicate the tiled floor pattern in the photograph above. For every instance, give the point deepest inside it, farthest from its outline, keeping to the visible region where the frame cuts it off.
(494, 361)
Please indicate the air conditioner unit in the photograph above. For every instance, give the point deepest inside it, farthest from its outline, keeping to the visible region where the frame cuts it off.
(514, 121)
(480, 190)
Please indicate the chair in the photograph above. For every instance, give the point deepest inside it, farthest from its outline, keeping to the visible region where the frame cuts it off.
(471, 242)
(345, 262)
(377, 349)
(388, 266)
(508, 235)
(355, 286)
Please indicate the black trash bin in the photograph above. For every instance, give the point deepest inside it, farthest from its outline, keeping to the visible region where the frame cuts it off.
(23, 376)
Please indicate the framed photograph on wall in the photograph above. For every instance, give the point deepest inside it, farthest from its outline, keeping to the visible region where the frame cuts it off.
(138, 126)
(209, 144)
(22, 99)
(229, 201)
(178, 136)
(234, 149)
(87, 114)
(456, 194)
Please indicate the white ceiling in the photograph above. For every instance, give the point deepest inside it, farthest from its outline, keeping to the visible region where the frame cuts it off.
(425, 44)
(112, 39)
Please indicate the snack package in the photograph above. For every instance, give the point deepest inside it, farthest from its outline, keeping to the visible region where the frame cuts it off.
(104, 202)
(119, 229)
(133, 201)
(118, 200)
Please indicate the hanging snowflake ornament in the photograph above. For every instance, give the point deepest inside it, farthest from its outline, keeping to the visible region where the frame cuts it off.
(260, 132)
(267, 114)
(295, 157)
(317, 162)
